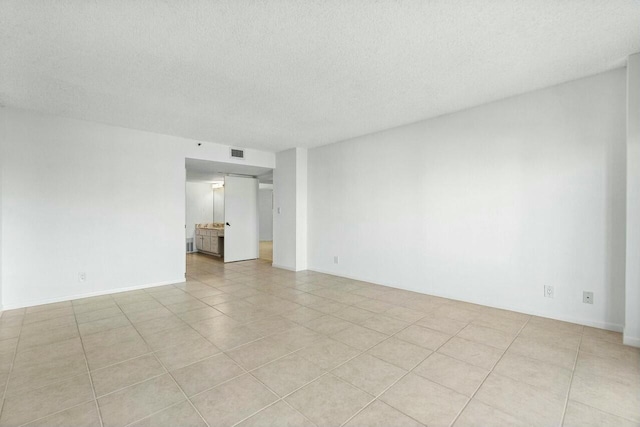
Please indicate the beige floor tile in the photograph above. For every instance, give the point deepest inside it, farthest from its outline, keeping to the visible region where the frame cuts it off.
(48, 372)
(425, 401)
(353, 314)
(608, 395)
(105, 313)
(404, 314)
(94, 305)
(328, 324)
(379, 414)
(591, 364)
(477, 414)
(297, 338)
(328, 353)
(488, 336)
(551, 378)
(622, 353)
(602, 334)
(206, 374)
(46, 315)
(233, 337)
(182, 355)
(101, 357)
(85, 415)
(48, 324)
(103, 325)
(258, 353)
(556, 325)
(442, 324)
(369, 373)
(400, 353)
(172, 337)
(161, 324)
(271, 325)
(61, 333)
(184, 307)
(423, 337)
(49, 352)
(359, 337)
(501, 323)
(138, 401)
(544, 350)
(146, 315)
(198, 315)
(536, 407)
(454, 374)
(48, 307)
(288, 374)
(181, 414)
(562, 338)
(302, 315)
(233, 401)
(215, 325)
(38, 403)
(329, 401)
(279, 414)
(384, 324)
(579, 415)
(477, 354)
(116, 377)
(8, 345)
(110, 338)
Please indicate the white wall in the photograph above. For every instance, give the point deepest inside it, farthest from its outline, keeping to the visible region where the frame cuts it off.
(486, 205)
(199, 206)
(81, 196)
(632, 311)
(265, 213)
(284, 215)
(218, 205)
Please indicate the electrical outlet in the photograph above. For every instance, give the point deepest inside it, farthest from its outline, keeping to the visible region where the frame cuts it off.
(587, 297)
(548, 291)
(82, 276)
(335, 259)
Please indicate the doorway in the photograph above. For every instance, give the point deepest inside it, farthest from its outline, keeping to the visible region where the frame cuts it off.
(222, 216)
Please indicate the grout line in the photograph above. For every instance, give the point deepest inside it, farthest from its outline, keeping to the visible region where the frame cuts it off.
(490, 372)
(13, 361)
(573, 372)
(84, 354)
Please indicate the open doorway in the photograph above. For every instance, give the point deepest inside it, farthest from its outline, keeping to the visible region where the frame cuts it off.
(223, 215)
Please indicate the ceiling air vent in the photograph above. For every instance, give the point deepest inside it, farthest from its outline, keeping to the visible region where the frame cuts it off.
(237, 154)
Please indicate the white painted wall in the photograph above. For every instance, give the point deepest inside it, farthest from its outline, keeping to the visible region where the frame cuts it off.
(81, 196)
(199, 206)
(485, 205)
(632, 277)
(284, 215)
(265, 213)
(218, 205)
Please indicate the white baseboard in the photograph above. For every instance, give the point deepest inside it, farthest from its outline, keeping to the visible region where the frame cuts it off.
(600, 325)
(283, 267)
(632, 341)
(88, 294)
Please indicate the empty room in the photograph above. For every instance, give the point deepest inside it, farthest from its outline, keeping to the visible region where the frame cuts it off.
(319, 213)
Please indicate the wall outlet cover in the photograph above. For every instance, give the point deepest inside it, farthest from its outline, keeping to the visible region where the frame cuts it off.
(548, 291)
(587, 297)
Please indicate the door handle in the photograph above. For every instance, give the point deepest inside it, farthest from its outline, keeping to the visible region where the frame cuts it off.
(228, 224)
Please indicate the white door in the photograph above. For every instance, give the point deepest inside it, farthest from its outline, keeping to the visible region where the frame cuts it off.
(241, 218)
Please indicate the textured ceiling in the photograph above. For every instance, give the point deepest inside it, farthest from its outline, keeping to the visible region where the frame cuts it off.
(279, 74)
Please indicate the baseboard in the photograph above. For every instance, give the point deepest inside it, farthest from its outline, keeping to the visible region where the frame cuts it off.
(284, 267)
(600, 325)
(88, 294)
(632, 341)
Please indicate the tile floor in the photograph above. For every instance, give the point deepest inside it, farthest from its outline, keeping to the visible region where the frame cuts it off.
(246, 344)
